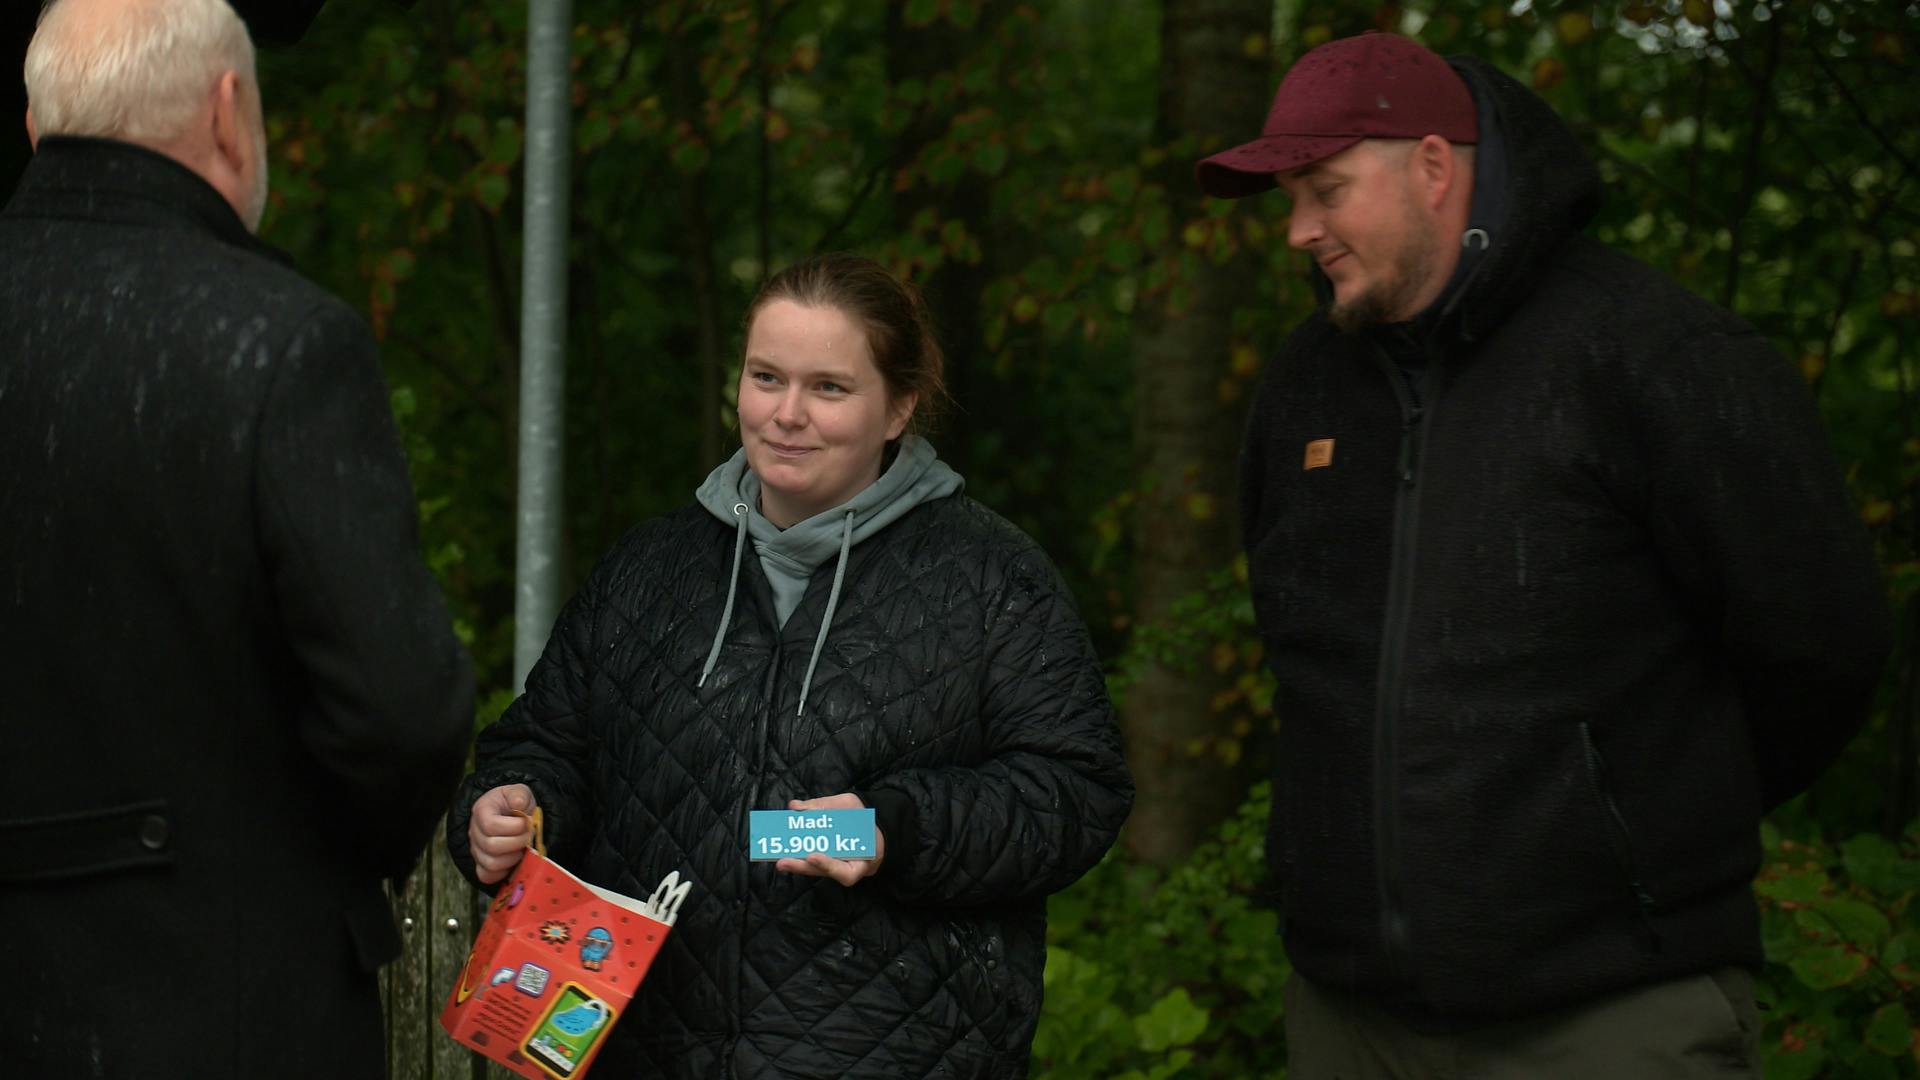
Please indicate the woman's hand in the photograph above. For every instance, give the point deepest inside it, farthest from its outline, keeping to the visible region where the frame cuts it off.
(845, 871)
(499, 831)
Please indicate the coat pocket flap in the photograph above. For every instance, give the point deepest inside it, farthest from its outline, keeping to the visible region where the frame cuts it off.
(86, 842)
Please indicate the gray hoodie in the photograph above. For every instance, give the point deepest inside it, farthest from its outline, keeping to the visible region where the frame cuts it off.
(790, 556)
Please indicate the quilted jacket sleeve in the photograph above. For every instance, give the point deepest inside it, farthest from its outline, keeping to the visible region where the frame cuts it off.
(541, 740)
(1749, 514)
(1050, 799)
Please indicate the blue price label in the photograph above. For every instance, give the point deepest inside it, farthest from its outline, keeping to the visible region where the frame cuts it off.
(796, 834)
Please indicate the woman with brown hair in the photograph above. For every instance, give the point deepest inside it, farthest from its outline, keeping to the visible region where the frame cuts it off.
(889, 643)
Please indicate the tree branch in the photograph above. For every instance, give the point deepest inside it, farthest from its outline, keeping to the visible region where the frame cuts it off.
(867, 187)
(1860, 113)
(473, 392)
(1704, 209)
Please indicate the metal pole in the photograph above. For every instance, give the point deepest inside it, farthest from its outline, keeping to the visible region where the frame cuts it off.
(543, 332)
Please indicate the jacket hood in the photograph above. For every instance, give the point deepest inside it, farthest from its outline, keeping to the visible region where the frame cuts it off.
(1550, 190)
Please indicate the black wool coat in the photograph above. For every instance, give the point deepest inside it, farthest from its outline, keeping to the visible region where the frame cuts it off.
(234, 702)
(1551, 632)
(957, 693)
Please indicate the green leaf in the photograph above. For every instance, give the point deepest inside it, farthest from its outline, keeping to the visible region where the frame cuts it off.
(491, 188)
(1901, 948)
(1890, 1032)
(1824, 967)
(470, 127)
(1156, 227)
(1874, 862)
(1796, 886)
(945, 168)
(919, 12)
(1795, 1065)
(1058, 317)
(990, 157)
(1045, 275)
(690, 156)
(1173, 1021)
(953, 236)
(1859, 923)
(594, 131)
(1171, 1067)
(506, 143)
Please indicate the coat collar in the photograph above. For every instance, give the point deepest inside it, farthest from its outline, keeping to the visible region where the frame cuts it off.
(117, 182)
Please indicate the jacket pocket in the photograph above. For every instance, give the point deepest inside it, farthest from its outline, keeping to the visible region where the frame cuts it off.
(1619, 837)
(84, 843)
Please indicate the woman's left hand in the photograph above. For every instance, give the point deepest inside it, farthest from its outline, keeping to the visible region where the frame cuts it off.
(845, 871)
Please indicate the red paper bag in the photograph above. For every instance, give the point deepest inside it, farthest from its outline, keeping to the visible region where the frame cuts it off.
(554, 966)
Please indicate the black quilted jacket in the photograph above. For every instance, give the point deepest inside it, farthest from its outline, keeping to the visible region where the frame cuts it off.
(957, 693)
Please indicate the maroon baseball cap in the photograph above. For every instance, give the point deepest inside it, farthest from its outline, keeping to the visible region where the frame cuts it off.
(1374, 86)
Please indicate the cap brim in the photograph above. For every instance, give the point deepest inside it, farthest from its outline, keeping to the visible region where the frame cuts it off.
(1248, 169)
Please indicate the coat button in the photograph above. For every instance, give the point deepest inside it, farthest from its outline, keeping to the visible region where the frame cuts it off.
(153, 832)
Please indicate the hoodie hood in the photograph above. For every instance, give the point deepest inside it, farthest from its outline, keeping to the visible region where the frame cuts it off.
(1544, 191)
(790, 556)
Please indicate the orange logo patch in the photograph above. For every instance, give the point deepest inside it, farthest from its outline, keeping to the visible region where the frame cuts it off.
(1319, 453)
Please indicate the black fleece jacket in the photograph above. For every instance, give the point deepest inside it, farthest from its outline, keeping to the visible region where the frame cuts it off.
(1550, 637)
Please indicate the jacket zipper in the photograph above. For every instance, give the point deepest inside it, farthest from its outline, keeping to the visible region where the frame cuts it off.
(1620, 837)
(1390, 691)
(769, 695)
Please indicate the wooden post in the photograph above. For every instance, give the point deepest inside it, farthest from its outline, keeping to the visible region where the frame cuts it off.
(455, 918)
(438, 914)
(406, 982)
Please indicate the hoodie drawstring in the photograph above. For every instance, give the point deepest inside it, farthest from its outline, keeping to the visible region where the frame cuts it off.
(833, 600)
(733, 587)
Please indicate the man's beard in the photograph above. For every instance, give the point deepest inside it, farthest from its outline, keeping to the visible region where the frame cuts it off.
(1384, 301)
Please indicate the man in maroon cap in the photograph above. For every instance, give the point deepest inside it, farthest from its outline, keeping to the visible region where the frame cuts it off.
(1560, 585)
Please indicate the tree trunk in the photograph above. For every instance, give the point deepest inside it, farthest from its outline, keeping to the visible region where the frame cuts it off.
(686, 98)
(953, 290)
(1214, 85)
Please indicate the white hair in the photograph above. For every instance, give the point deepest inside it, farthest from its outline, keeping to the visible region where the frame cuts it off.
(140, 71)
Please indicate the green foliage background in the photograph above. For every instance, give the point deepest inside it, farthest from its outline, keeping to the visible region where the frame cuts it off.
(1762, 153)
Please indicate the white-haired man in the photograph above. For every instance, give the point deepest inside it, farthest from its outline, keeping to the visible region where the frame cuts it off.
(235, 703)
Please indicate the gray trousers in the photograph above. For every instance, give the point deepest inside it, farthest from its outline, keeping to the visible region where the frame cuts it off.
(1697, 1027)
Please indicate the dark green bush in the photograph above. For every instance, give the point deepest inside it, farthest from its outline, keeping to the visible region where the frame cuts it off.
(1155, 975)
